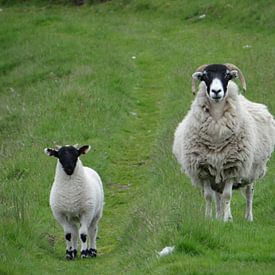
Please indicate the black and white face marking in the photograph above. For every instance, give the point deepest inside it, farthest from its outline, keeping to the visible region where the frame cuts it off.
(68, 156)
(216, 77)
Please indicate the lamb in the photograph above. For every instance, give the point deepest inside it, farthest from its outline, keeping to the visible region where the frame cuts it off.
(76, 196)
(225, 140)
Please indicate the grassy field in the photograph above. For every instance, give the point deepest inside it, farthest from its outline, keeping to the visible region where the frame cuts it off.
(117, 76)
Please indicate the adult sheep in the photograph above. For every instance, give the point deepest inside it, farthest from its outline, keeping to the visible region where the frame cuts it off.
(225, 140)
(76, 196)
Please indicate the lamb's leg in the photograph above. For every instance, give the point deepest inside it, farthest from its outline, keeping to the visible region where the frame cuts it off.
(226, 197)
(249, 200)
(85, 220)
(74, 239)
(92, 236)
(208, 194)
(219, 209)
(69, 231)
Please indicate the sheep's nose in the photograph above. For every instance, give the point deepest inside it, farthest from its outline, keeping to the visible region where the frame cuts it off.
(216, 92)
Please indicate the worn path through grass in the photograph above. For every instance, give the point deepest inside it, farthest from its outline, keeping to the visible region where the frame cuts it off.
(67, 83)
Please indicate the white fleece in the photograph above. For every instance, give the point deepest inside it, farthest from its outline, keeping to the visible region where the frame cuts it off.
(232, 144)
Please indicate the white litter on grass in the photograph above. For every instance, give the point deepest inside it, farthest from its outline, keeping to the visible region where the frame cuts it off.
(202, 16)
(166, 251)
(134, 57)
(247, 46)
(133, 113)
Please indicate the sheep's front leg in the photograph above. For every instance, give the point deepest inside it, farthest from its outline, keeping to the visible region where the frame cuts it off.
(249, 200)
(208, 195)
(71, 241)
(75, 239)
(83, 234)
(70, 231)
(226, 198)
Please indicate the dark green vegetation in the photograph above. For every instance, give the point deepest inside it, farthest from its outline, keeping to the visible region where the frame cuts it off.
(117, 76)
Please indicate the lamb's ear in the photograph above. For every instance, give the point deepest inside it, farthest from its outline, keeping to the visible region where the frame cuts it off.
(51, 152)
(84, 149)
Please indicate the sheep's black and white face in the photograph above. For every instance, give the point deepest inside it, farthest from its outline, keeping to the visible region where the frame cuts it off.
(68, 156)
(216, 77)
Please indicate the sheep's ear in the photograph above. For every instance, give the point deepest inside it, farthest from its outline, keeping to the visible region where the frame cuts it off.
(51, 152)
(234, 73)
(197, 75)
(84, 149)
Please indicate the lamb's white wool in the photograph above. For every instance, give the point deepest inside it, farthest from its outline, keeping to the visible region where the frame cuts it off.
(76, 198)
(222, 143)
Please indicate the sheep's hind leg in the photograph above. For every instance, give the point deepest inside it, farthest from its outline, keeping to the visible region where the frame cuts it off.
(226, 198)
(219, 209)
(208, 195)
(249, 201)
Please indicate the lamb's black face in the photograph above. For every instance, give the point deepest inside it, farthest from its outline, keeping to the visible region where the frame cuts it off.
(216, 77)
(68, 156)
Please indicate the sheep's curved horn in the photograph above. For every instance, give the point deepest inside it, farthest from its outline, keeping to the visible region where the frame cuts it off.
(240, 74)
(200, 69)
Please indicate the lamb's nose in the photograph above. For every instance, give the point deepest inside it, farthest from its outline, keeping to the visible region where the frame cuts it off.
(69, 171)
(216, 91)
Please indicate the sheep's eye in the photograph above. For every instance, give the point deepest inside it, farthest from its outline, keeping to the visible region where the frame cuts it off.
(228, 76)
(204, 76)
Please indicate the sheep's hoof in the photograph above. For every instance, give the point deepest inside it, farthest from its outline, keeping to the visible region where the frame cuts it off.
(92, 252)
(70, 255)
(84, 253)
(228, 219)
(249, 218)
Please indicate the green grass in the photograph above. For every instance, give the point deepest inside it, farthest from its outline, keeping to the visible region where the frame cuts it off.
(68, 75)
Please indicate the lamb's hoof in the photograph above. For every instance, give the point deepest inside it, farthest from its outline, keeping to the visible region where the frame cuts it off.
(70, 255)
(84, 253)
(92, 252)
